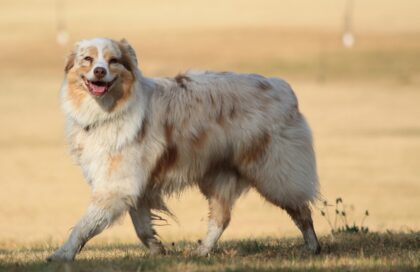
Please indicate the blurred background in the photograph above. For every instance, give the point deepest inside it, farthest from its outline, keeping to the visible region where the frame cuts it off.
(354, 64)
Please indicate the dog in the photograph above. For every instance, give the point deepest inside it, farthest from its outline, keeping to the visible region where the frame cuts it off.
(139, 139)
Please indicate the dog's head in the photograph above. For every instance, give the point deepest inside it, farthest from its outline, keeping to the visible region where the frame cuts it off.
(100, 70)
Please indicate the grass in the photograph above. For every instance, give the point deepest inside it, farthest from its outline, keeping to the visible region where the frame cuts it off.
(343, 252)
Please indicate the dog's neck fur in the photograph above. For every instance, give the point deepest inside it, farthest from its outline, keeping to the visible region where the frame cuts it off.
(114, 129)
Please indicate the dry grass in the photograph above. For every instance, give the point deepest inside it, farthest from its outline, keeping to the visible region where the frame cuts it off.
(362, 104)
(369, 252)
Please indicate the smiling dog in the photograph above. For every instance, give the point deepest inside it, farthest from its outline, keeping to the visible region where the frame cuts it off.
(139, 139)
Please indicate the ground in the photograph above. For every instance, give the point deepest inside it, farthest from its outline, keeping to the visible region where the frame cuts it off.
(344, 252)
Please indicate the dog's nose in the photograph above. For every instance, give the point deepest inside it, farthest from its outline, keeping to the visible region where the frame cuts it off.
(99, 72)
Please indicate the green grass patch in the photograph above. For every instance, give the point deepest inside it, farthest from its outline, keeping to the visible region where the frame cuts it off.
(342, 252)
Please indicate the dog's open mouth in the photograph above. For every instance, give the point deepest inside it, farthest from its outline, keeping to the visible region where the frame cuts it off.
(98, 88)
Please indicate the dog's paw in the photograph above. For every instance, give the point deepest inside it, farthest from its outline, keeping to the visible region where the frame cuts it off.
(157, 249)
(61, 255)
(314, 249)
(202, 250)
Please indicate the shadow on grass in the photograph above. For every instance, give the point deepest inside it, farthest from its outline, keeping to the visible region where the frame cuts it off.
(372, 251)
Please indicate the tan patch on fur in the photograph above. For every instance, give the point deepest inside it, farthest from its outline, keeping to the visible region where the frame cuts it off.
(109, 54)
(92, 51)
(114, 162)
(264, 85)
(76, 89)
(220, 211)
(256, 149)
(75, 85)
(76, 96)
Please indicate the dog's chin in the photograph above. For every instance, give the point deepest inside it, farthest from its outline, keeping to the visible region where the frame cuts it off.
(98, 88)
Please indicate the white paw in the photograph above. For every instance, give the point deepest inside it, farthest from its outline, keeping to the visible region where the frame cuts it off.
(157, 249)
(202, 250)
(61, 255)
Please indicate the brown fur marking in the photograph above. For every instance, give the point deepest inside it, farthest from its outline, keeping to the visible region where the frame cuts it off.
(76, 96)
(166, 161)
(168, 158)
(123, 89)
(114, 162)
(220, 119)
(126, 57)
(143, 131)
(124, 92)
(256, 149)
(181, 80)
(220, 211)
(301, 216)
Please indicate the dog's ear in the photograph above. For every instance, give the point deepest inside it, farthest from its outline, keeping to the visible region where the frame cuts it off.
(129, 52)
(70, 61)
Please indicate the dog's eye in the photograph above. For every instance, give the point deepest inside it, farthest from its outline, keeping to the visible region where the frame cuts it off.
(87, 58)
(113, 60)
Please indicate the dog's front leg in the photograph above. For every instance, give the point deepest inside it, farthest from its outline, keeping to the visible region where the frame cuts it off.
(104, 209)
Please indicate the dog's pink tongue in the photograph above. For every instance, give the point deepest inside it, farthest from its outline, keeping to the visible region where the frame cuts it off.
(97, 89)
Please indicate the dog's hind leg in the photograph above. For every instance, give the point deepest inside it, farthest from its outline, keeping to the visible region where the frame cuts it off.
(221, 195)
(219, 219)
(103, 211)
(302, 217)
(286, 175)
(142, 221)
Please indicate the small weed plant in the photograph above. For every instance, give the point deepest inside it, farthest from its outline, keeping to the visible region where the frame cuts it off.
(339, 223)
